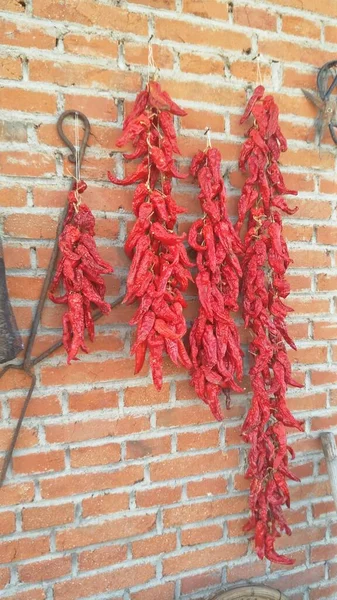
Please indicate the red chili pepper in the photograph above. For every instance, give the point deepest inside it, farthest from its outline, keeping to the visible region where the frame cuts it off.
(79, 270)
(215, 351)
(160, 266)
(264, 314)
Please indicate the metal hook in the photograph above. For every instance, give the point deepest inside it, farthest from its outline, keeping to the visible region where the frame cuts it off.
(67, 113)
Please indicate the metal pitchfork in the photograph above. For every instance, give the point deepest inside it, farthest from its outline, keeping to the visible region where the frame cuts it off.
(28, 362)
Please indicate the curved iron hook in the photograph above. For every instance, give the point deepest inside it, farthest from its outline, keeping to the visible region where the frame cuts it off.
(322, 79)
(64, 138)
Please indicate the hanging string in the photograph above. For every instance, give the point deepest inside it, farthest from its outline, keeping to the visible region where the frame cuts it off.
(77, 156)
(208, 137)
(258, 71)
(151, 65)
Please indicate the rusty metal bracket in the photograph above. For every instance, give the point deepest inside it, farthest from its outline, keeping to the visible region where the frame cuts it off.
(28, 362)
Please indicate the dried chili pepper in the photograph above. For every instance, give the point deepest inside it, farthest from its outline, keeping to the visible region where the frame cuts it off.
(265, 262)
(215, 348)
(80, 271)
(159, 269)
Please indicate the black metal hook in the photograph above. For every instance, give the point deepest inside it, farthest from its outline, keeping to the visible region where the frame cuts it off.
(85, 121)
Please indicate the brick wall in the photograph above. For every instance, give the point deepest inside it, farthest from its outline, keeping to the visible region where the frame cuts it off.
(116, 490)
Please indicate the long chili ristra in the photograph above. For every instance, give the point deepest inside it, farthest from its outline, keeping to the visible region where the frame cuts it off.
(265, 262)
(159, 271)
(214, 340)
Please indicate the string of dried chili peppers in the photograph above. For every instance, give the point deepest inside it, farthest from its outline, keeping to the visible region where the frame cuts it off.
(265, 262)
(80, 271)
(215, 345)
(159, 269)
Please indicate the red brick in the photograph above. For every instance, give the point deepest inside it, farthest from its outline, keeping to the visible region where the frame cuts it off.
(325, 330)
(91, 482)
(104, 531)
(33, 594)
(68, 74)
(90, 456)
(307, 402)
(246, 571)
(323, 377)
(79, 431)
(12, 6)
(7, 522)
(158, 496)
(48, 569)
(95, 107)
(30, 226)
(138, 54)
(27, 100)
(23, 548)
(327, 591)
(27, 164)
(321, 423)
(41, 462)
(189, 90)
(38, 407)
(27, 438)
(17, 257)
(21, 287)
(148, 447)
(310, 258)
(204, 439)
(173, 417)
(165, 591)
(213, 9)
(323, 552)
(90, 45)
(10, 68)
(195, 120)
(101, 557)
(305, 577)
(295, 25)
(155, 545)
(13, 131)
(321, 509)
(193, 465)
(196, 63)
(203, 558)
(104, 582)
(108, 503)
(82, 372)
(255, 18)
(88, 13)
(4, 578)
(41, 517)
(326, 234)
(202, 511)
(16, 493)
(308, 304)
(25, 36)
(326, 282)
(290, 51)
(201, 535)
(211, 486)
(146, 396)
(206, 580)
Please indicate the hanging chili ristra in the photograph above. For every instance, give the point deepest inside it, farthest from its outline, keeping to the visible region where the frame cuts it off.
(159, 268)
(265, 262)
(80, 271)
(215, 346)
